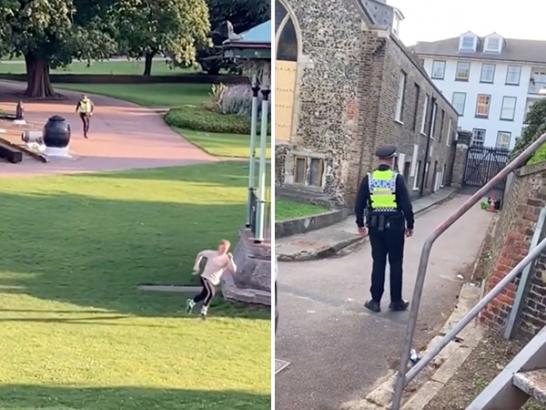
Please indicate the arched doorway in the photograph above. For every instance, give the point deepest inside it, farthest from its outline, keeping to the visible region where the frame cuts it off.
(286, 67)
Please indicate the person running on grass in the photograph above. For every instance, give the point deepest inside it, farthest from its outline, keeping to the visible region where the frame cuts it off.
(85, 108)
(217, 262)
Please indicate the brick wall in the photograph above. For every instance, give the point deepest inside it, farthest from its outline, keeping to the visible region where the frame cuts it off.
(511, 240)
(348, 84)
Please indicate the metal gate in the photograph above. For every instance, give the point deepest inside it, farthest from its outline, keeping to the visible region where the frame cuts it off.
(483, 163)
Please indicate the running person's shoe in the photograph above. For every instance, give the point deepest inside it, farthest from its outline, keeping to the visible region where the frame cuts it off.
(204, 311)
(190, 304)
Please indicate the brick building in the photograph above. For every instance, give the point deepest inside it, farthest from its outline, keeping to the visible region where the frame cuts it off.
(510, 242)
(342, 90)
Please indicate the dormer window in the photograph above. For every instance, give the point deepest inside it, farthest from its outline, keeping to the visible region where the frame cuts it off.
(493, 44)
(468, 43)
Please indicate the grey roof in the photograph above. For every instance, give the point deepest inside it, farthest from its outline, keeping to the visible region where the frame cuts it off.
(532, 51)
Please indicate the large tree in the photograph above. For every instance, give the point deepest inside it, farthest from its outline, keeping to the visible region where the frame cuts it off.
(243, 14)
(50, 33)
(174, 28)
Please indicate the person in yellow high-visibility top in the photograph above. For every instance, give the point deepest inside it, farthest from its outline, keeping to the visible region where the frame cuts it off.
(85, 109)
(383, 210)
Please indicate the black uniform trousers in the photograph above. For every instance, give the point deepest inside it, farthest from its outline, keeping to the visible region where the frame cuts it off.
(387, 241)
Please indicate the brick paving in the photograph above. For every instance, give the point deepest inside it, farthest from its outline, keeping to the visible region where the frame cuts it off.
(122, 136)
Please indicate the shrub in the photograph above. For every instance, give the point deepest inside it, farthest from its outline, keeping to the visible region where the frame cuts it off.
(201, 118)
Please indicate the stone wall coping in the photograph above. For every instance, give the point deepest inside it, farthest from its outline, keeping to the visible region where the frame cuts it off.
(531, 169)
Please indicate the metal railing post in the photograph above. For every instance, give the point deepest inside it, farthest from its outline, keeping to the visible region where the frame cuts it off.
(401, 379)
(252, 154)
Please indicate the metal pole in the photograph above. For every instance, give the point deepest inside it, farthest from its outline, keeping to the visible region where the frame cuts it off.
(427, 358)
(252, 155)
(259, 237)
(401, 381)
(524, 280)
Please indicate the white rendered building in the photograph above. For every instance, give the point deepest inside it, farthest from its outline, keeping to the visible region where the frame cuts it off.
(491, 81)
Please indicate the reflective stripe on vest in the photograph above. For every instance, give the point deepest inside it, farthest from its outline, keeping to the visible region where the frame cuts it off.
(382, 186)
(85, 106)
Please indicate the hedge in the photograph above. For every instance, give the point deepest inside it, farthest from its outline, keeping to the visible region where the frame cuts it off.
(201, 118)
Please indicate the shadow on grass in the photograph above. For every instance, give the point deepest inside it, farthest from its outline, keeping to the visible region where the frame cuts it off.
(93, 252)
(21, 397)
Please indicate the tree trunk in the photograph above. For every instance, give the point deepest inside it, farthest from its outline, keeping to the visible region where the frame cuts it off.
(38, 84)
(148, 64)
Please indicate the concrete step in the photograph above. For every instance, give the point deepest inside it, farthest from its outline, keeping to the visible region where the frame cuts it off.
(303, 194)
(533, 383)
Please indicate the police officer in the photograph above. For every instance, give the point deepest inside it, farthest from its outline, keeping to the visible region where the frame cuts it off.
(383, 209)
(85, 108)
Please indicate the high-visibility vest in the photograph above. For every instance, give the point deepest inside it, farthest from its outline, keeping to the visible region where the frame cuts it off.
(85, 106)
(382, 186)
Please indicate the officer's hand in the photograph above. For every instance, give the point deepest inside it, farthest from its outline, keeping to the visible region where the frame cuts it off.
(409, 233)
(363, 231)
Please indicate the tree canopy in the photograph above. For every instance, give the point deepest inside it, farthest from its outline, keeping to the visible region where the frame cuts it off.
(536, 126)
(51, 33)
(175, 28)
(243, 14)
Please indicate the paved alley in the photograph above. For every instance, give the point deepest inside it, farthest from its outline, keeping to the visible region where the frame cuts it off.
(337, 349)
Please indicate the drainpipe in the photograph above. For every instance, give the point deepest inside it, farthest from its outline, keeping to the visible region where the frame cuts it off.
(427, 149)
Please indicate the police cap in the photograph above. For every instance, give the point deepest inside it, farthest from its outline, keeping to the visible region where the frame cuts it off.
(386, 151)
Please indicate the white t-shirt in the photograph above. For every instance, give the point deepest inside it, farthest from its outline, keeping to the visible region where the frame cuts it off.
(216, 265)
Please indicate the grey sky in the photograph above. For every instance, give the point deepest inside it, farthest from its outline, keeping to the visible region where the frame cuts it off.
(430, 20)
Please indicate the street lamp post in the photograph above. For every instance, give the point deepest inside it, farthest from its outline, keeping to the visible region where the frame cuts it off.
(260, 211)
(252, 155)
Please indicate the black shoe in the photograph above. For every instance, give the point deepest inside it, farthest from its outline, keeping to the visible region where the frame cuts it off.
(373, 305)
(400, 306)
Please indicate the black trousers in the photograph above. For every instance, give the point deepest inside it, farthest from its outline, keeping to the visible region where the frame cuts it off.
(86, 120)
(207, 293)
(387, 243)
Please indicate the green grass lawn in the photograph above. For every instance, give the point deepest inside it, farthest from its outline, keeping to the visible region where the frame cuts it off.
(75, 331)
(539, 156)
(148, 95)
(221, 144)
(103, 67)
(286, 209)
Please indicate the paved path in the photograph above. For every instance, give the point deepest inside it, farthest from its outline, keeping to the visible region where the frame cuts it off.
(122, 136)
(337, 350)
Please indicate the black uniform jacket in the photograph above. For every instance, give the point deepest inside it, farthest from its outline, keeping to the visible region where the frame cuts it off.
(403, 202)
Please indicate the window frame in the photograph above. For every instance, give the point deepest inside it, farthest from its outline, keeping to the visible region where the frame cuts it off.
(493, 74)
(467, 79)
(399, 113)
(509, 139)
(464, 102)
(443, 70)
(416, 110)
(474, 43)
(423, 130)
(508, 71)
(416, 178)
(433, 119)
(442, 121)
(487, 49)
(476, 114)
(296, 158)
(474, 136)
(504, 98)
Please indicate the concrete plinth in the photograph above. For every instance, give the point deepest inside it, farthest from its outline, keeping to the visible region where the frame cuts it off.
(252, 283)
(57, 152)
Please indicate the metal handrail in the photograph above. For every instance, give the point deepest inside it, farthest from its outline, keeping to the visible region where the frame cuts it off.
(402, 378)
